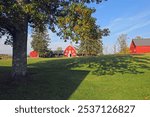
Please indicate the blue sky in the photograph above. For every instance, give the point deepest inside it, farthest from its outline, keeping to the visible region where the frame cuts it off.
(131, 17)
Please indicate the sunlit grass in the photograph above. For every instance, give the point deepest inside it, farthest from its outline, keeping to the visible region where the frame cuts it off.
(105, 77)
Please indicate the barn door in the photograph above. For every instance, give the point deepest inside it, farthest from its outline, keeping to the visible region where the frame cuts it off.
(69, 54)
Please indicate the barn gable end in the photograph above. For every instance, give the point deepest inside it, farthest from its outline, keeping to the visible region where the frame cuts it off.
(70, 51)
(132, 47)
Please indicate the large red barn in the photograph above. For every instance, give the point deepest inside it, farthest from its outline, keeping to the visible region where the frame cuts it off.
(70, 51)
(140, 46)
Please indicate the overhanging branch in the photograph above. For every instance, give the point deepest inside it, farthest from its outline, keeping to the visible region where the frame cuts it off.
(6, 24)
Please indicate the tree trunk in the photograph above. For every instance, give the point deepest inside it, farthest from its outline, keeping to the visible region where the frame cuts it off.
(19, 62)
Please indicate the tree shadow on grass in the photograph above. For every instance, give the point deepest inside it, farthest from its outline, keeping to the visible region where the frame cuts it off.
(48, 80)
(54, 79)
(110, 65)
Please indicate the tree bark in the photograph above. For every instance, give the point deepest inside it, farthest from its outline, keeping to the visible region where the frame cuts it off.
(19, 62)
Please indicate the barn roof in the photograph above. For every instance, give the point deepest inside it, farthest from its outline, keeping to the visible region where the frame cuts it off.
(71, 47)
(142, 42)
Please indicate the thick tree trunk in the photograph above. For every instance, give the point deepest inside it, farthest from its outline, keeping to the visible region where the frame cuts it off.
(19, 63)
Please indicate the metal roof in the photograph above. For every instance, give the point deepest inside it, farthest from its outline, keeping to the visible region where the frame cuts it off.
(142, 42)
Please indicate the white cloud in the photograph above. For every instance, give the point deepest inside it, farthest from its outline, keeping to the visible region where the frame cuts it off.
(128, 24)
(135, 27)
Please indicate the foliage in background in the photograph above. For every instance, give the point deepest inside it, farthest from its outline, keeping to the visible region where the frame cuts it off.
(5, 56)
(122, 43)
(40, 42)
(138, 37)
(58, 52)
(90, 47)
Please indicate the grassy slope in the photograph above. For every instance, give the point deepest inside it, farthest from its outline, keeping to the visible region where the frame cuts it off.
(106, 77)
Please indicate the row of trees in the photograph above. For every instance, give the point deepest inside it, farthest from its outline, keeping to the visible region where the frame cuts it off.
(41, 40)
(88, 47)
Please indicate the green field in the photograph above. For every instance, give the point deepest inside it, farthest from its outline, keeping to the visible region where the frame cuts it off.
(108, 77)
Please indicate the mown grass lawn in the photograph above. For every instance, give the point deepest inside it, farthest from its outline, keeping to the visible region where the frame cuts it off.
(103, 78)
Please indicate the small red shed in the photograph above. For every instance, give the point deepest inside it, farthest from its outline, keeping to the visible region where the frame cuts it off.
(70, 51)
(140, 46)
(34, 54)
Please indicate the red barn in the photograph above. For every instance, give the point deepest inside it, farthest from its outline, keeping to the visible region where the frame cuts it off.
(70, 51)
(34, 54)
(140, 46)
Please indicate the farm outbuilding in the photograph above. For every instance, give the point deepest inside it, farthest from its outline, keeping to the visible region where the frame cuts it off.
(140, 46)
(70, 51)
(34, 54)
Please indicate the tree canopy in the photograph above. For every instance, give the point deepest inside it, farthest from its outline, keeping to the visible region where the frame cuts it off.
(17, 15)
(37, 13)
(80, 25)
